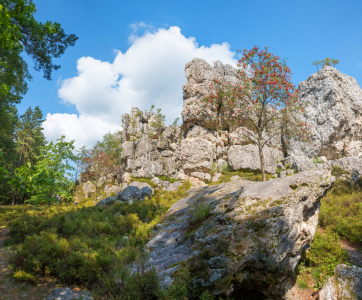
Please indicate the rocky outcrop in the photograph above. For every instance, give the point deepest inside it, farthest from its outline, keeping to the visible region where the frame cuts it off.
(247, 158)
(334, 109)
(350, 166)
(345, 284)
(241, 235)
(190, 149)
(199, 75)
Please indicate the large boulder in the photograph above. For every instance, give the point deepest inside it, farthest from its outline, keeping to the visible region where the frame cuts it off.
(241, 236)
(335, 113)
(246, 157)
(299, 163)
(196, 155)
(107, 201)
(345, 284)
(130, 194)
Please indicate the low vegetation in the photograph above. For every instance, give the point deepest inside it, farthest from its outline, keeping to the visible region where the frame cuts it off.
(340, 217)
(88, 246)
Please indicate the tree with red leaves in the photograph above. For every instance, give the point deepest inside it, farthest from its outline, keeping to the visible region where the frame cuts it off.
(96, 162)
(263, 101)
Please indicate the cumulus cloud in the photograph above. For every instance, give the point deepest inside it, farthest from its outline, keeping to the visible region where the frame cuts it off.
(150, 72)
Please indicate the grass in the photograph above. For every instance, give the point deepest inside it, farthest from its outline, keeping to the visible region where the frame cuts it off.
(341, 210)
(86, 245)
(253, 176)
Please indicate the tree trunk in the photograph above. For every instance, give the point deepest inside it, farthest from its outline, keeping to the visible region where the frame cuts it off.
(95, 197)
(262, 163)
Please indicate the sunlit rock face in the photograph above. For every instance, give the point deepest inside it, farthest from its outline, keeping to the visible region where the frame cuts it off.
(241, 236)
(333, 104)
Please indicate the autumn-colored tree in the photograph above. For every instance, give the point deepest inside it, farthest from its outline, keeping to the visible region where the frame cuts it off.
(96, 162)
(263, 102)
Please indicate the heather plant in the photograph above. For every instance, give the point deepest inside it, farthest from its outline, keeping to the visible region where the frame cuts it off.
(86, 245)
(263, 102)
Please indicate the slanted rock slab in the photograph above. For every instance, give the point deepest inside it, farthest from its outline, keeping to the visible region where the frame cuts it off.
(241, 236)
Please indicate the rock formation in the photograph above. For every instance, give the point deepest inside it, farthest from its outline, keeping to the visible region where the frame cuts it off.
(191, 149)
(241, 235)
(335, 113)
(345, 284)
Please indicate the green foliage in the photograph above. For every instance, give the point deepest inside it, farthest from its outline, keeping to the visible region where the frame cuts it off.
(166, 178)
(87, 245)
(49, 177)
(145, 180)
(341, 210)
(317, 160)
(29, 135)
(293, 186)
(21, 32)
(253, 176)
(263, 102)
(338, 171)
(180, 287)
(324, 255)
(199, 212)
(325, 62)
(175, 122)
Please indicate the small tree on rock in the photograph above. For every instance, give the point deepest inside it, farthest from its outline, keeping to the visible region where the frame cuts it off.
(325, 62)
(263, 101)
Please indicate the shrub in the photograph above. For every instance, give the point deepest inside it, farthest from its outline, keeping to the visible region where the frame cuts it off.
(324, 255)
(88, 245)
(341, 210)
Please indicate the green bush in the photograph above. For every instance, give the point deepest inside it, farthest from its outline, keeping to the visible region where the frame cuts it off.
(324, 255)
(341, 210)
(88, 245)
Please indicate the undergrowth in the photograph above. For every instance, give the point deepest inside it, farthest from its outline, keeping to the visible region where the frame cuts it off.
(341, 210)
(88, 246)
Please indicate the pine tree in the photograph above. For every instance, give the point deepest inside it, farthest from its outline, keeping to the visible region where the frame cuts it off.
(30, 136)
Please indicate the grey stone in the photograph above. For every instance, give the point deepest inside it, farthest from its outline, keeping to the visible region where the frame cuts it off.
(146, 192)
(157, 181)
(130, 194)
(196, 155)
(69, 294)
(235, 177)
(174, 186)
(254, 230)
(351, 166)
(335, 113)
(300, 163)
(139, 184)
(345, 284)
(201, 176)
(216, 177)
(107, 201)
(246, 157)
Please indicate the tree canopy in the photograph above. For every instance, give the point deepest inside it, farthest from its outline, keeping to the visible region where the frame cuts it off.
(263, 102)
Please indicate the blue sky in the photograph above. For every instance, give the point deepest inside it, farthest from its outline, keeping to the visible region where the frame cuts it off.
(134, 52)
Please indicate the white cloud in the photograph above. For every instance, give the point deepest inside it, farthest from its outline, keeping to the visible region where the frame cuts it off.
(85, 130)
(150, 72)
